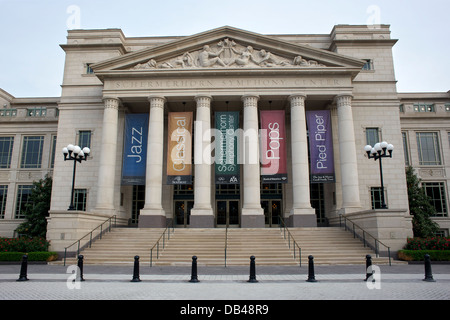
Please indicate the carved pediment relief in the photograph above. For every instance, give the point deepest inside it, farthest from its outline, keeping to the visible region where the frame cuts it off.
(228, 54)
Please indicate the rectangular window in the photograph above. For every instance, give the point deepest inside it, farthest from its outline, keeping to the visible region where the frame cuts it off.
(6, 147)
(436, 192)
(53, 152)
(84, 139)
(3, 196)
(37, 112)
(89, 69)
(423, 107)
(80, 199)
(375, 197)
(372, 136)
(428, 148)
(368, 65)
(405, 148)
(32, 152)
(23, 195)
(5, 112)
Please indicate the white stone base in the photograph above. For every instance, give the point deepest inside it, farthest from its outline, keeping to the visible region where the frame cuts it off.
(252, 218)
(152, 218)
(305, 217)
(202, 218)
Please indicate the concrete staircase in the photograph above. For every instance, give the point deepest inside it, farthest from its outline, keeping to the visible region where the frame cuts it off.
(268, 245)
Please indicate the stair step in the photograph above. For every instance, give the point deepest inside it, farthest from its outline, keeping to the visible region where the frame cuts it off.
(270, 246)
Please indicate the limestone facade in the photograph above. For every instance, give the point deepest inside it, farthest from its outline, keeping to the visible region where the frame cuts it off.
(108, 75)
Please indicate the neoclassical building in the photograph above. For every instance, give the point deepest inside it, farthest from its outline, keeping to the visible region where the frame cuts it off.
(226, 128)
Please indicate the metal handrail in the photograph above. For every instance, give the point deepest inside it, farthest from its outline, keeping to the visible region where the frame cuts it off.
(295, 244)
(226, 244)
(376, 247)
(163, 237)
(90, 238)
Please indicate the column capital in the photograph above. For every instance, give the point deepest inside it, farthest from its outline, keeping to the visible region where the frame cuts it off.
(343, 99)
(250, 100)
(111, 102)
(157, 101)
(203, 100)
(298, 95)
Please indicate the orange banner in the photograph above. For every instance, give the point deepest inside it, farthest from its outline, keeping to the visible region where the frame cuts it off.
(179, 151)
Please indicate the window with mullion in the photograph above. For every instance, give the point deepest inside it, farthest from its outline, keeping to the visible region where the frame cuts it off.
(6, 146)
(32, 152)
(428, 148)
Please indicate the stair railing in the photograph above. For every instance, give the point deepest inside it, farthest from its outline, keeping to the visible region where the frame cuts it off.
(363, 236)
(91, 238)
(290, 237)
(163, 239)
(226, 245)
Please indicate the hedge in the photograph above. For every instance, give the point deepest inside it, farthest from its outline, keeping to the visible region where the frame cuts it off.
(419, 255)
(32, 256)
(23, 244)
(431, 243)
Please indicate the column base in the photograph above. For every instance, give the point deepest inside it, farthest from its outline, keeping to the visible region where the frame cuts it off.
(303, 218)
(253, 218)
(152, 218)
(201, 218)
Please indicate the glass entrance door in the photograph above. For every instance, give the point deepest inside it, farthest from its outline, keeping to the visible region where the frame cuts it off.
(183, 212)
(272, 212)
(227, 212)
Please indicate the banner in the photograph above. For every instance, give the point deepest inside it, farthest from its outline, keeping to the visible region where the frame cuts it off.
(179, 150)
(273, 147)
(320, 146)
(135, 149)
(226, 164)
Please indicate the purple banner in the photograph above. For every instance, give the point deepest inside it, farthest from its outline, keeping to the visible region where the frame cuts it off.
(320, 146)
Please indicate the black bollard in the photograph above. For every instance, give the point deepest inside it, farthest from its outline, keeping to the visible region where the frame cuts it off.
(368, 265)
(311, 276)
(80, 267)
(252, 277)
(23, 269)
(136, 270)
(194, 270)
(428, 273)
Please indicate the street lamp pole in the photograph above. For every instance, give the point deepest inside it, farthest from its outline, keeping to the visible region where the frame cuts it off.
(74, 153)
(377, 152)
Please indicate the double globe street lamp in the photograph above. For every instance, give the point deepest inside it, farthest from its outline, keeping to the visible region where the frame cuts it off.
(75, 153)
(377, 152)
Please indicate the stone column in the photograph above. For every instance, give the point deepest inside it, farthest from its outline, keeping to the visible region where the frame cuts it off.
(108, 155)
(252, 214)
(202, 215)
(302, 214)
(153, 215)
(347, 154)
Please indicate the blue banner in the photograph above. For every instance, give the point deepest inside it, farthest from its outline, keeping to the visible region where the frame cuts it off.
(320, 146)
(135, 149)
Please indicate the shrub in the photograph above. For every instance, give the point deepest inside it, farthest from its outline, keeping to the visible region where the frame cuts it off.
(419, 255)
(23, 244)
(431, 243)
(32, 256)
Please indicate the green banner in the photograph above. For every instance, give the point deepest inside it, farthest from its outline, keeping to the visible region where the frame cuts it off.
(226, 164)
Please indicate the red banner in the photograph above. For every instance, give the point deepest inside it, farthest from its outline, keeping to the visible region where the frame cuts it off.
(273, 146)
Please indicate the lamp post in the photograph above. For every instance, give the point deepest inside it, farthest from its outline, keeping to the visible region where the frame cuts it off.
(75, 153)
(377, 152)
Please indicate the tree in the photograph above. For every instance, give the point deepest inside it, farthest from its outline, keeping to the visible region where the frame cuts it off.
(36, 209)
(420, 207)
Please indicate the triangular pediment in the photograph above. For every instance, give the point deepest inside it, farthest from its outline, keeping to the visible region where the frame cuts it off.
(227, 48)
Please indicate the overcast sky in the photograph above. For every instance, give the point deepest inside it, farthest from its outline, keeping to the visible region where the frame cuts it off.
(32, 62)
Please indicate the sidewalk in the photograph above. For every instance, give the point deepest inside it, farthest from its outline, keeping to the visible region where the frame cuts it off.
(397, 282)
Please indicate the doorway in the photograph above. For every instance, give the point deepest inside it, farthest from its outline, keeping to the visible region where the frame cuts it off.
(227, 213)
(183, 212)
(272, 212)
